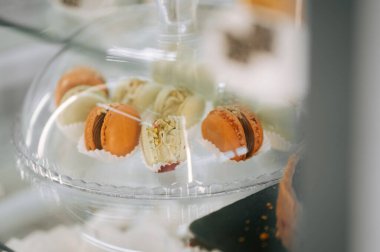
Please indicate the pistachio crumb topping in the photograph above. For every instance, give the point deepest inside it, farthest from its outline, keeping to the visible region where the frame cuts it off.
(166, 141)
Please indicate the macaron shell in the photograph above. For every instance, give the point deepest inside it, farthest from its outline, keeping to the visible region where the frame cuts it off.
(149, 151)
(77, 76)
(83, 101)
(168, 100)
(88, 128)
(98, 90)
(146, 96)
(161, 98)
(173, 149)
(126, 90)
(120, 91)
(192, 109)
(257, 129)
(120, 133)
(222, 128)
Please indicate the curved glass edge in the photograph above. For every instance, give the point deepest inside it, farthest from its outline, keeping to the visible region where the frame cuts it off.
(53, 24)
(51, 21)
(29, 164)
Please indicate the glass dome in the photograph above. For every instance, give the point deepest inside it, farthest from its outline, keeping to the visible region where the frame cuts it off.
(144, 104)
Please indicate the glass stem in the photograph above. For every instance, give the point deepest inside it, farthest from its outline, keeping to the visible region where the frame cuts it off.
(177, 17)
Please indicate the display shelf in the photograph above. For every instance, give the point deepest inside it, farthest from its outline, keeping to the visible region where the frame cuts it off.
(133, 113)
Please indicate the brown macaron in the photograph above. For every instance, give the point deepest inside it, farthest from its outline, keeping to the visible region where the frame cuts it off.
(116, 129)
(84, 76)
(232, 129)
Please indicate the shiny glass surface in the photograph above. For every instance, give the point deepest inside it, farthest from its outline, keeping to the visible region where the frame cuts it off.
(135, 42)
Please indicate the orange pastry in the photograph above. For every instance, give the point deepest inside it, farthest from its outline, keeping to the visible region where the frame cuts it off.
(286, 6)
(83, 76)
(115, 129)
(233, 129)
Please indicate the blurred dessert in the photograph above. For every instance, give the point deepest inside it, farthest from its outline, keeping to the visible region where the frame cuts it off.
(288, 208)
(71, 3)
(285, 6)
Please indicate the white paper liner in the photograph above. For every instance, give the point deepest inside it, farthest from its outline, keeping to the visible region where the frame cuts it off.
(149, 167)
(278, 142)
(266, 146)
(225, 156)
(102, 155)
(71, 131)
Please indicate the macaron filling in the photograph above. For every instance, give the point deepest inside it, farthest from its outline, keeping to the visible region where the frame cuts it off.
(163, 144)
(249, 134)
(96, 130)
(248, 131)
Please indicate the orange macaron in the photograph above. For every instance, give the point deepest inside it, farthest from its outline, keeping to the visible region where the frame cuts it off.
(77, 76)
(234, 129)
(286, 6)
(114, 128)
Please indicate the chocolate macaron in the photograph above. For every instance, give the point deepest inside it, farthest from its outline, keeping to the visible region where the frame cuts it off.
(114, 128)
(84, 76)
(233, 129)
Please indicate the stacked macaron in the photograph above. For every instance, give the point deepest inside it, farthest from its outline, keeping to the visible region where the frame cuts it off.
(77, 92)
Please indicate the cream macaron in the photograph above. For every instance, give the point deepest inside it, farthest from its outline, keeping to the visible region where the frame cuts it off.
(136, 92)
(179, 102)
(163, 144)
(77, 92)
(77, 76)
(77, 103)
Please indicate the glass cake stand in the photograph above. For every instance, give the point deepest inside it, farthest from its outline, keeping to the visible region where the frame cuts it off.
(160, 46)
